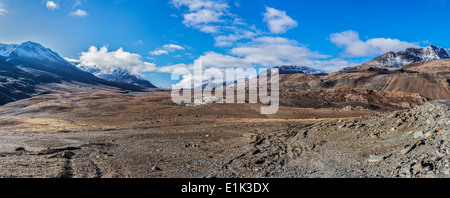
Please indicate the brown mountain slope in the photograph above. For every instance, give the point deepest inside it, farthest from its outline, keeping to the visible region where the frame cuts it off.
(430, 85)
(430, 79)
(298, 80)
(441, 67)
(343, 97)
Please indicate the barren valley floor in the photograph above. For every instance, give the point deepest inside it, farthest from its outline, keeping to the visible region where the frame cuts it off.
(108, 134)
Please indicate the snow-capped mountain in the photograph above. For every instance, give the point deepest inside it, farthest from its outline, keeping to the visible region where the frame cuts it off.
(410, 55)
(29, 69)
(31, 52)
(118, 75)
(290, 69)
(5, 49)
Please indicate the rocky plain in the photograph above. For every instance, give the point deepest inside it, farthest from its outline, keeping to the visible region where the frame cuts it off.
(122, 135)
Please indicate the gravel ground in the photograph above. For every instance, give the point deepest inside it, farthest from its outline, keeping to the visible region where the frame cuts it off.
(410, 143)
(134, 136)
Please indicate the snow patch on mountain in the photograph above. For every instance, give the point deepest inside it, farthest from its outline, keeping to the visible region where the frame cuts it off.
(5, 49)
(32, 52)
(411, 55)
(291, 69)
(117, 75)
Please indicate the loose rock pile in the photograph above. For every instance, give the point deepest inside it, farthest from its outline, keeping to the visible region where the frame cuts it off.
(409, 143)
(430, 155)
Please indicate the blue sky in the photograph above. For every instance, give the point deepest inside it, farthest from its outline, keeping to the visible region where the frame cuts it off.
(158, 35)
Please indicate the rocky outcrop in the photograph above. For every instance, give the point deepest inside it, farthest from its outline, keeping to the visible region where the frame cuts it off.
(342, 97)
(410, 55)
(430, 79)
(292, 69)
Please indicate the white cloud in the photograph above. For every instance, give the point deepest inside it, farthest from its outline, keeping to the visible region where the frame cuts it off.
(173, 47)
(209, 29)
(194, 5)
(166, 49)
(273, 51)
(250, 47)
(71, 60)
(354, 46)
(139, 42)
(52, 5)
(202, 12)
(231, 39)
(217, 60)
(263, 51)
(159, 52)
(170, 68)
(2, 9)
(108, 61)
(332, 65)
(214, 17)
(79, 13)
(278, 21)
(203, 16)
(77, 3)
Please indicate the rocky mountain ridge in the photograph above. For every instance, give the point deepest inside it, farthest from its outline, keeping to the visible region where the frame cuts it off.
(118, 75)
(29, 69)
(408, 56)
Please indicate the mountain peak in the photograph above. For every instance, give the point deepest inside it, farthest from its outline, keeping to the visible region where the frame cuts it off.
(32, 51)
(410, 55)
(5, 49)
(292, 69)
(31, 43)
(433, 47)
(117, 75)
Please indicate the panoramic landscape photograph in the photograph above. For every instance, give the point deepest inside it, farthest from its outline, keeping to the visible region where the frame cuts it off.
(204, 89)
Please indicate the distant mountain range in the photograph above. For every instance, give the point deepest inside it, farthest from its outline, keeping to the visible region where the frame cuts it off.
(30, 69)
(291, 69)
(408, 56)
(117, 75)
(418, 70)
